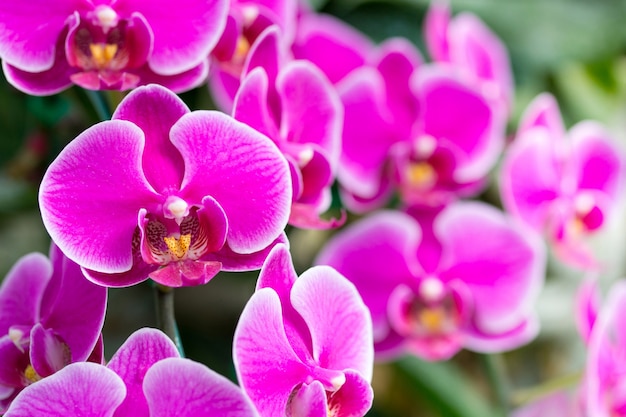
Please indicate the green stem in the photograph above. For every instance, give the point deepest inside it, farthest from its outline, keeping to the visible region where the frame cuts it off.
(495, 370)
(100, 104)
(523, 396)
(166, 320)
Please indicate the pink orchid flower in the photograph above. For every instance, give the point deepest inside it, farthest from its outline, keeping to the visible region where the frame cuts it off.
(303, 345)
(557, 404)
(108, 44)
(166, 193)
(565, 185)
(471, 48)
(50, 316)
(145, 378)
(433, 287)
(294, 104)
(605, 388)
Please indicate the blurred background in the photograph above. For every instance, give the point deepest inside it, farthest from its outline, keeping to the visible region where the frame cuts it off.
(574, 49)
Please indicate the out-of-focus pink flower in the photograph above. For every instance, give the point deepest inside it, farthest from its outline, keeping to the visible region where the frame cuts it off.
(471, 48)
(566, 186)
(435, 289)
(294, 104)
(48, 45)
(166, 193)
(557, 404)
(145, 378)
(50, 316)
(605, 372)
(246, 21)
(303, 345)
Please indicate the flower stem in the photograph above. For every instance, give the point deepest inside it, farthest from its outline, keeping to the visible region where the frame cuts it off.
(165, 315)
(493, 364)
(100, 104)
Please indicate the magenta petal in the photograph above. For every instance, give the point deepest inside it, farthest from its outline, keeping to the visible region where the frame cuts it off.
(251, 105)
(306, 216)
(73, 306)
(377, 254)
(183, 388)
(141, 350)
(30, 31)
(178, 83)
(22, 290)
(587, 307)
(48, 353)
(519, 335)
(89, 201)
(14, 362)
(504, 270)
(197, 25)
(339, 322)
(48, 82)
(309, 400)
(543, 112)
(71, 392)
(267, 367)
(186, 273)
(236, 262)
(266, 52)
(436, 25)
(354, 398)
(154, 109)
(242, 170)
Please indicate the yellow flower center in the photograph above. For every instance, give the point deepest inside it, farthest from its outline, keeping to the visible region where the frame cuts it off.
(178, 247)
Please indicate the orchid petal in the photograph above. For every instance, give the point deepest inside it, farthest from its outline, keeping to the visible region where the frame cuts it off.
(179, 82)
(266, 52)
(267, 367)
(106, 188)
(543, 112)
(71, 392)
(154, 109)
(44, 83)
(236, 262)
(139, 352)
(587, 307)
(14, 362)
(251, 105)
(239, 168)
(181, 387)
(516, 336)
(48, 353)
(197, 24)
(308, 400)
(354, 398)
(436, 25)
(339, 321)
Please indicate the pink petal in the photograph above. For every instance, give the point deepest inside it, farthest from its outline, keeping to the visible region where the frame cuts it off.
(89, 201)
(43, 83)
(237, 262)
(309, 400)
(14, 362)
(197, 25)
(242, 170)
(181, 387)
(267, 367)
(543, 112)
(71, 392)
(483, 341)
(587, 307)
(22, 290)
(251, 105)
(140, 351)
(178, 83)
(504, 269)
(266, 52)
(354, 398)
(48, 353)
(436, 25)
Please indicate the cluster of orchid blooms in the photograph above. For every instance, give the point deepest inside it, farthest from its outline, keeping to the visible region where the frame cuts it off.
(305, 102)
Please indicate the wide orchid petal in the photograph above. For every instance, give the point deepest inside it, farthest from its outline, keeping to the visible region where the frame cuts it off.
(251, 105)
(241, 169)
(312, 112)
(504, 270)
(73, 306)
(22, 290)
(530, 178)
(266, 52)
(267, 367)
(105, 188)
(339, 322)
(141, 350)
(154, 110)
(332, 45)
(71, 392)
(376, 254)
(27, 41)
(197, 24)
(48, 82)
(181, 387)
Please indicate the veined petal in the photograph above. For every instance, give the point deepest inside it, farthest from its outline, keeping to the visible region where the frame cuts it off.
(339, 322)
(354, 398)
(251, 104)
(183, 388)
(73, 306)
(504, 270)
(267, 367)
(140, 351)
(377, 254)
(22, 290)
(183, 35)
(30, 31)
(308, 400)
(89, 200)
(155, 109)
(43, 83)
(71, 392)
(242, 170)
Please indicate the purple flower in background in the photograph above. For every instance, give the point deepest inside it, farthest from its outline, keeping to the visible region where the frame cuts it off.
(473, 49)
(605, 385)
(565, 185)
(435, 289)
(105, 44)
(165, 193)
(303, 345)
(50, 316)
(247, 19)
(294, 104)
(145, 378)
